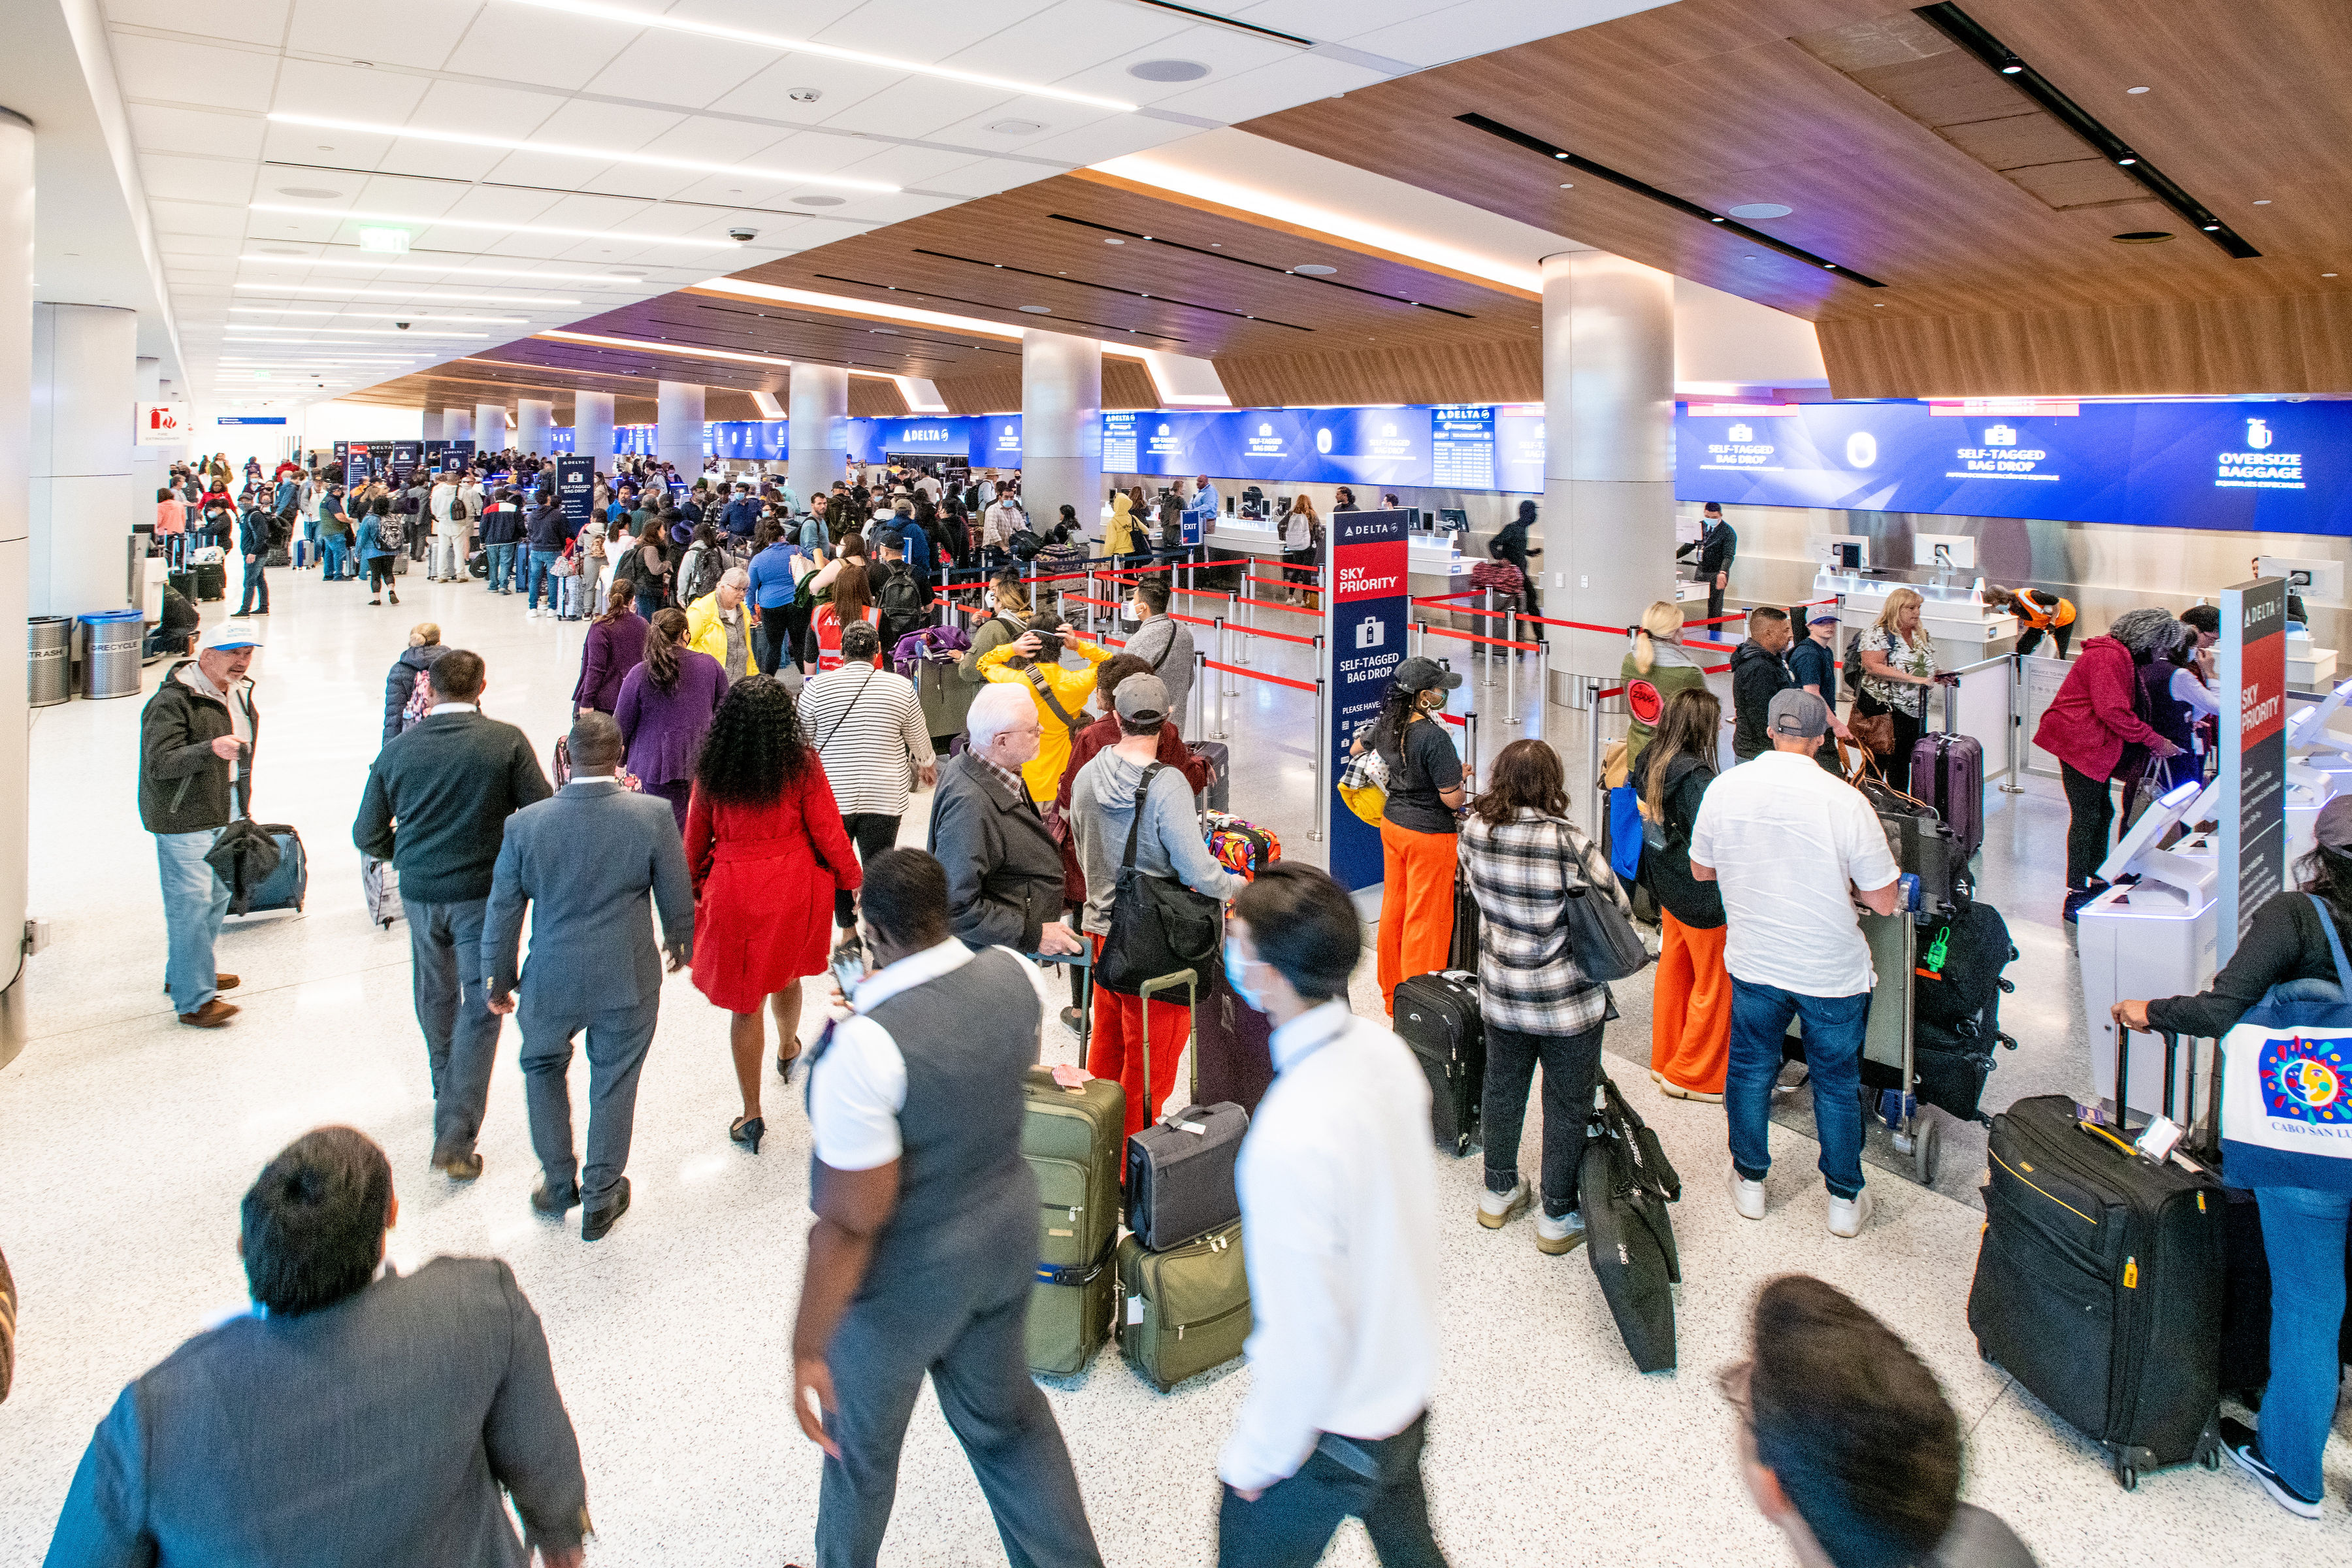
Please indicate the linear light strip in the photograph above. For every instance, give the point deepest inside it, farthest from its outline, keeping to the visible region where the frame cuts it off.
(404, 294)
(846, 305)
(374, 316)
(565, 149)
(241, 327)
(346, 215)
(370, 265)
(676, 24)
(647, 347)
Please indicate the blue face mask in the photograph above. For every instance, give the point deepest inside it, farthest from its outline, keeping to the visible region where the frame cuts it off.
(1234, 965)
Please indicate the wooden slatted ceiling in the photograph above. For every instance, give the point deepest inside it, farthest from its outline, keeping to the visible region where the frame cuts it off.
(1716, 101)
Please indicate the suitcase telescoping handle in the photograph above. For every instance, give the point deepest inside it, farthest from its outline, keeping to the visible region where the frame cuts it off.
(2171, 1075)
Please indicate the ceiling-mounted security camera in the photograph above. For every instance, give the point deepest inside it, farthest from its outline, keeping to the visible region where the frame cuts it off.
(402, 325)
(742, 236)
(804, 95)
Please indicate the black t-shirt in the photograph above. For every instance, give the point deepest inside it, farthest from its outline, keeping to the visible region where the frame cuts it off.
(1427, 764)
(1815, 665)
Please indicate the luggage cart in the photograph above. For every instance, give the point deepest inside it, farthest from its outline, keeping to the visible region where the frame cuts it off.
(1889, 1062)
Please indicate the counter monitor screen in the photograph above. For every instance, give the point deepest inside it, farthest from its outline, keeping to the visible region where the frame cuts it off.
(1453, 519)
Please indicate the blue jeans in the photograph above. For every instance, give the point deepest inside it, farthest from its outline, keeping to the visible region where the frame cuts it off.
(535, 577)
(502, 569)
(195, 899)
(2304, 1231)
(336, 556)
(1833, 1031)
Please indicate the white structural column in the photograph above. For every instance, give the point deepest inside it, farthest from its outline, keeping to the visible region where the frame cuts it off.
(592, 427)
(457, 424)
(534, 419)
(816, 430)
(677, 437)
(85, 365)
(490, 427)
(1061, 427)
(16, 551)
(1607, 520)
(149, 465)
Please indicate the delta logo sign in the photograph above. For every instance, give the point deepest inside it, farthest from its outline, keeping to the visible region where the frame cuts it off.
(2307, 1081)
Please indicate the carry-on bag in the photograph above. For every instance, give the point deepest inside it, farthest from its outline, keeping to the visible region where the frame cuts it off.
(1073, 1138)
(1158, 925)
(1180, 1175)
(1233, 1045)
(380, 886)
(1623, 1184)
(1947, 773)
(1437, 1015)
(289, 885)
(1924, 846)
(1187, 1308)
(1241, 848)
(211, 580)
(1219, 794)
(1461, 948)
(2099, 1283)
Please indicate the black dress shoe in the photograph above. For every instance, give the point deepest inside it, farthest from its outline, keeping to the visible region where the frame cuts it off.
(462, 1167)
(594, 1223)
(552, 1204)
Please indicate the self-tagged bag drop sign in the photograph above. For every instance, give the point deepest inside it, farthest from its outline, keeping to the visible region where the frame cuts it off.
(1372, 632)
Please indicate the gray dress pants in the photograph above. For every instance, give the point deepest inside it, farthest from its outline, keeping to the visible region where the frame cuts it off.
(617, 1040)
(453, 1009)
(968, 1329)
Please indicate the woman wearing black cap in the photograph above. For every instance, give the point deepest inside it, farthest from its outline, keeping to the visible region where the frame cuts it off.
(1427, 784)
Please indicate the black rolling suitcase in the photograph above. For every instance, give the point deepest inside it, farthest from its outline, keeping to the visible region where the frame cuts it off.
(212, 581)
(1461, 953)
(1219, 794)
(1624, 1182)
(1438, 1014)
(2099, 1286)
(1924, 846)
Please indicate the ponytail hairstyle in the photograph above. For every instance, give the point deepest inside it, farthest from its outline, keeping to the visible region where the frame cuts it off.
(423, 634)
(665, 640)
(618, 601)
(1660, 620)
(1687, 727)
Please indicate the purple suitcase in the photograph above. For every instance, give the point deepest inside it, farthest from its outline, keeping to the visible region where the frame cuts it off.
(1947, 773)
(1232, 1047)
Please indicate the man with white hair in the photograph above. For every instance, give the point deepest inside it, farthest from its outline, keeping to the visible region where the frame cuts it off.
(718, 624)
(1005, 870)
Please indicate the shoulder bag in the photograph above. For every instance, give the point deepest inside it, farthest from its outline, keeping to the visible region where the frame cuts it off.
(1606, 945)
(1045, 695)
(1158, 925)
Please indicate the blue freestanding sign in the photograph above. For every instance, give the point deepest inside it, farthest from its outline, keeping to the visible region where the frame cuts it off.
(575, 488)
(1364, 628)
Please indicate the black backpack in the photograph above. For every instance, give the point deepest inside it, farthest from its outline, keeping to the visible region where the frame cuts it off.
(901, 603)
(390, 532)
(1853, 671)
(1025, 544)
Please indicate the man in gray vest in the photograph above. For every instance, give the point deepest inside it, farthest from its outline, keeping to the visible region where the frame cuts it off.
(584, 861)
(926, 1235)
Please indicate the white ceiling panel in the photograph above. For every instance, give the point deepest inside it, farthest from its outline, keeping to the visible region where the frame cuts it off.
(177, 71)
(624, 127)
(918, 167)
(196, 179)
(679, 67)
(918, 107)
(197, 130)
(791, 18)
(527, 44)
(1113, 138)
(1066, 37)
(218, 219)
(182, 247)
(478, 110)
(244, 21)
(1328, 23)
(1291, 81)
(345, 92)
(439, 160)
(922, 29)
(982, 177)
(411, 33)
(1225, 52)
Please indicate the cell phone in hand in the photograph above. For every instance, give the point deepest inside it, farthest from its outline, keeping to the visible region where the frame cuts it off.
(848, 965)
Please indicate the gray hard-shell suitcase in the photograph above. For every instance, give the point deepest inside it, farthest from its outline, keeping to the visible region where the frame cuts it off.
(380, 885)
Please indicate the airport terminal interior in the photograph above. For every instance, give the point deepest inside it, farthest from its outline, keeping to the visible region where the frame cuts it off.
(2010, 295)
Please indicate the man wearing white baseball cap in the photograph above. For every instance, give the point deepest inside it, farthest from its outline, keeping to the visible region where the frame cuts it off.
(196, 767)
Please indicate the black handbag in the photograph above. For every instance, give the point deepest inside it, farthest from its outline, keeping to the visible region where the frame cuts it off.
(1158, 925)
(1603, 940)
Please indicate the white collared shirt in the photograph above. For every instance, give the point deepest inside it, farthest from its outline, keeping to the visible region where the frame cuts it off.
(859, 1086)
(441, 707)
(1338, 1190)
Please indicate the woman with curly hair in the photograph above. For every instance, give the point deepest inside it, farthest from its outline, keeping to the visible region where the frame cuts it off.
(666, 706)
(765, 844)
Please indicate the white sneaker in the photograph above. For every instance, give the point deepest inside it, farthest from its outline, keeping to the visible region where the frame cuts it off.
(1497, 1210)
(1747, 1196)
(1848, 1216)
(1554, 1236)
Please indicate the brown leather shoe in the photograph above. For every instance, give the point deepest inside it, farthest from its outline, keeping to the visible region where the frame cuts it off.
(220, 983)
(460, 1167)
(213, 1015)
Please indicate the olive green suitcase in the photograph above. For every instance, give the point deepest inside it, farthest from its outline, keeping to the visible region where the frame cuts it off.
(1074, 1139)
(1187, 1308)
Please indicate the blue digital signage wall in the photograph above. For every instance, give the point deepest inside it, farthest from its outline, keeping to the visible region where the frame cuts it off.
(2270, 466)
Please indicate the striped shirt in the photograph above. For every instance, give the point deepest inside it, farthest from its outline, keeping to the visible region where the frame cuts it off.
(1519, 874)
(867, 729)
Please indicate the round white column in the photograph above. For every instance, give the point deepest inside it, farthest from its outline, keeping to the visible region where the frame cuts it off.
(1608, 521)
(1061, 429)
(149, 465)
(816, 430)
(678, 436)
(490, 427)
(534, 419)
(15, 546)
(592, 427)
(458, 425)
(84, 389)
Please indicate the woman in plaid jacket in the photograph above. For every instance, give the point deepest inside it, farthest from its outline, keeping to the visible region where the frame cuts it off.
(1523, 854)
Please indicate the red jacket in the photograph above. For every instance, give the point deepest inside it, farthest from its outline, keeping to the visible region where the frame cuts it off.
(2094, 716)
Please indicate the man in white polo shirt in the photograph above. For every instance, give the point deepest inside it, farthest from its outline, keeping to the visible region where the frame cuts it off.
(1794, 850)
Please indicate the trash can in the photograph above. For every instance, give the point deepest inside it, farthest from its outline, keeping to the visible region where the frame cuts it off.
(110, 661)
(49, 664)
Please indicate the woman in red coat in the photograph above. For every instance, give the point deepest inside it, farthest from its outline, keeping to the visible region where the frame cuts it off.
(765, 844)
(2098, 730)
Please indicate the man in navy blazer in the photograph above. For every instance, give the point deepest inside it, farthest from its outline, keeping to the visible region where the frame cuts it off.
(356, 1416)
(587, 859)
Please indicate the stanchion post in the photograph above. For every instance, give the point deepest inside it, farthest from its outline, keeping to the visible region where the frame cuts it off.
(1486, 627)
(1470, 743)
(1510, 666)
(1592, 690)
(1322, 750)
(1233, 612)
(2016, 722)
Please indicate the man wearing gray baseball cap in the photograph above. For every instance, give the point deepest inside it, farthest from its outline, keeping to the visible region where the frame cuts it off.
(1794, 849)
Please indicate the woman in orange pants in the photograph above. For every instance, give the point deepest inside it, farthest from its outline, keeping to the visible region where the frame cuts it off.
(1427, 785)
(1690, 1009)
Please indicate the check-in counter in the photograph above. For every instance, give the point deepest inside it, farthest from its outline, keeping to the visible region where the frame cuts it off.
(1964, 629)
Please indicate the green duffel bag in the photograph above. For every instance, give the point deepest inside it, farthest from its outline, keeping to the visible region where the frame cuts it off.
(1074, 1139)
(1187, 1308)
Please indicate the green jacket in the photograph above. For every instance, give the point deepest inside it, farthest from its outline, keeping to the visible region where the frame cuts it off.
(184, 787)
(1673, 669)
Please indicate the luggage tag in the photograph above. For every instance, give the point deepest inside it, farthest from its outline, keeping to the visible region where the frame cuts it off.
(2159, 1137)
(1074, 1078)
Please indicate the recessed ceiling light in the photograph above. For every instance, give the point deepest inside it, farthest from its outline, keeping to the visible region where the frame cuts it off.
(818, 201)
(2327, 275)
(1561, 157)
(1035, 310)
(316, 193)
(806, 94)
(2264, 202)
(2135, 90)
(1877, 306)
(1114, 242)
(1567, 186)
(2141, 236)
(566, 150)
(1168, 70)
(1314, 270)
(1718, 220)
(2011, 65)
(2126, 160)
(1016, 127)
(1761, 210)
(2212, 227)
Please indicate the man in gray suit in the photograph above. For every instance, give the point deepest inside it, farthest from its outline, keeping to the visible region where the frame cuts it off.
(357, 1417)
(587, 859)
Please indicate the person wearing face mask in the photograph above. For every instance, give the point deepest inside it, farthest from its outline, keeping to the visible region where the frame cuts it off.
(1005, 870)
(1427, 785)
(1338, 1199)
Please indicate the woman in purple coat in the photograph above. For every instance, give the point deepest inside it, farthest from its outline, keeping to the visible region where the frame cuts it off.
(666, 706)
(616, 644)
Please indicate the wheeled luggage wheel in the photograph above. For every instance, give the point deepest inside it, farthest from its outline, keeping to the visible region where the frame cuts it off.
(1927, 1140)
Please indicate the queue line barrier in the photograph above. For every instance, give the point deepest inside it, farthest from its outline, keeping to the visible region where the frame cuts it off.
(1229, 675)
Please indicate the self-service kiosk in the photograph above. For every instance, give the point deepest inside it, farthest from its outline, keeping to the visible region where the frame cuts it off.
(2152, 937)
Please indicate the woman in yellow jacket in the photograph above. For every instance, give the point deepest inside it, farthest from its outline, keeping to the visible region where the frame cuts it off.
(1033, 660)
(1122, 536)
(718, 624)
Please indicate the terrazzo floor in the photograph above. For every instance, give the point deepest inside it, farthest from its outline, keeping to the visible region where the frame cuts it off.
(126, 1141)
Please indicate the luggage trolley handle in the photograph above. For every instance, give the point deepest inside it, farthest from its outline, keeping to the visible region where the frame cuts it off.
(1190, 981)
(2171, 1075)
